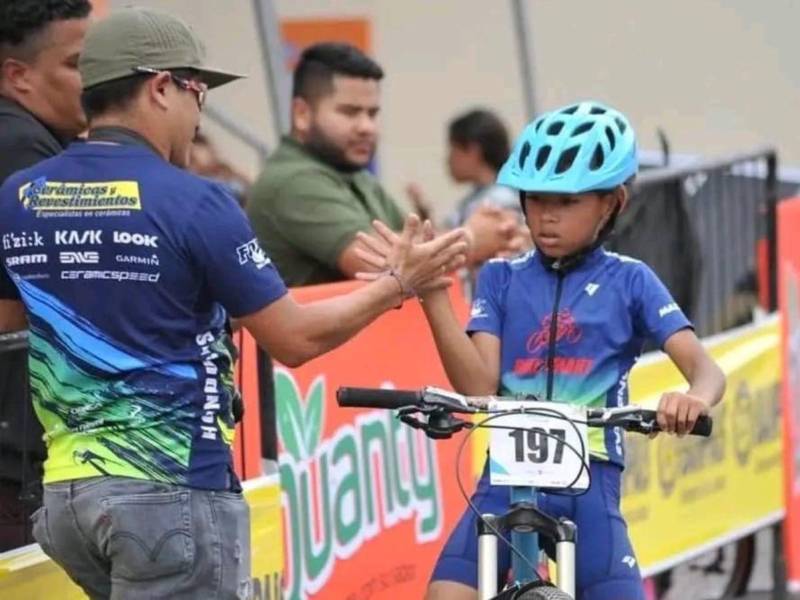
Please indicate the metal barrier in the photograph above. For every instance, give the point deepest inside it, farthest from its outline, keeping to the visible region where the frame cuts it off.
(708, 231)
(9, 342)
(21, 449)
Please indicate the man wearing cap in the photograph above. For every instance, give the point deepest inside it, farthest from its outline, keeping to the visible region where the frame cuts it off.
(128, 268)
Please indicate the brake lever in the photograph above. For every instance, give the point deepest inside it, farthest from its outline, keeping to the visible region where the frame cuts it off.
(637, 424)
(447, 400)
(629, 418)
(413, 422)
(439, 425)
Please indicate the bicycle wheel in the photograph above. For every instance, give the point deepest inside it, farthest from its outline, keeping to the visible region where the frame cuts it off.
(720, 574)
(542, 593)
(742, 568)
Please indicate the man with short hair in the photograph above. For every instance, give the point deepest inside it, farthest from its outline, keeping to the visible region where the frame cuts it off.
(129, 267)
(40, 112)
(478, 147)
(40, 86)
(315, 193)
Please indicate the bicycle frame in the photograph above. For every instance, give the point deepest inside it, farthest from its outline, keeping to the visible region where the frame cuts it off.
(524, 521)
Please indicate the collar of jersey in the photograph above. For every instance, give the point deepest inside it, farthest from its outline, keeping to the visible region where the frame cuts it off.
(121, 136)
(573, 261)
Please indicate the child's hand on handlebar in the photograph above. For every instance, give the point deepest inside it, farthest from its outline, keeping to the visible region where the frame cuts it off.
(678, 412)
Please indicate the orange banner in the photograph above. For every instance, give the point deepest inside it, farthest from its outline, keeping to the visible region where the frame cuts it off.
(247, 440)
(367, 500)
(298, 34)
(789, 298)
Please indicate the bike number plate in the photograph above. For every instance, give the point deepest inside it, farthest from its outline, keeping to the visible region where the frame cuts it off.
(537, 449)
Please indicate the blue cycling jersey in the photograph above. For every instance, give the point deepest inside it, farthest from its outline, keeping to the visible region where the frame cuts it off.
(127, 267)
(572, 335)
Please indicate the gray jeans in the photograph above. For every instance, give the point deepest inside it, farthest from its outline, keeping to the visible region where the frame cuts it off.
(133, 539)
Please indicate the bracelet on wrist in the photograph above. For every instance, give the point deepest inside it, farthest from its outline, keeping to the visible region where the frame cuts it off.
(405, 291)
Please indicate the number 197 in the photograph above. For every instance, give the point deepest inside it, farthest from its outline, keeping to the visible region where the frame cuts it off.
(537, 440)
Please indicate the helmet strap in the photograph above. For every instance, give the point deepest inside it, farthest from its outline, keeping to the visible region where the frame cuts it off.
(569, 262)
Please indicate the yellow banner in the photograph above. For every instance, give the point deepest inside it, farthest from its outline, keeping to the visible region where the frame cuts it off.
(28, 573)
(683, 496)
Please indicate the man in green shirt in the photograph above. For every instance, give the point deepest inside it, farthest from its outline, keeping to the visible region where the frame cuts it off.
(315, 194)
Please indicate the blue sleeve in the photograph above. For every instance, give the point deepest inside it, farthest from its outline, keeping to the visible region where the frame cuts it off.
(238, 274)
(656, 314)
(487, 311)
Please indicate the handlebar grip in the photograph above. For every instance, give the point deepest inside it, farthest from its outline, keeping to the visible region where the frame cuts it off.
(377, 398)
(703, 426)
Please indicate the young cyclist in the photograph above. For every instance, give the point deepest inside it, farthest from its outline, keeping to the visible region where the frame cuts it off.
(566, 322)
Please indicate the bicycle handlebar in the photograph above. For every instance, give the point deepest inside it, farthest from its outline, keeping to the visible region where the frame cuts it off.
(378, 398)
(431, 399)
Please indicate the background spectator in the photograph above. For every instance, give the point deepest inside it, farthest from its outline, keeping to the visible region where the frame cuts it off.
(206, 161)
(40, 111)
(315, 193)
(478, 146)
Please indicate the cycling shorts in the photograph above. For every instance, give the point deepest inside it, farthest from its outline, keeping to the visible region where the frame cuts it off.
(606, 564)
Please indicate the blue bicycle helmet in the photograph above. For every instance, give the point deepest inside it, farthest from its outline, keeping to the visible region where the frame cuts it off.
(578, 148)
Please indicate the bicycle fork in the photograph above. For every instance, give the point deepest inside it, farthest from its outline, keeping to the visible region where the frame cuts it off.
(523, 521)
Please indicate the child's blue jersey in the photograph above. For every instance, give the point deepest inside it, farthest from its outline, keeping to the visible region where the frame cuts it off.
(572, 336)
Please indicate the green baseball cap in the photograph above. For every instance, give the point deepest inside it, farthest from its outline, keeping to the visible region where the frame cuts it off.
(140, 37)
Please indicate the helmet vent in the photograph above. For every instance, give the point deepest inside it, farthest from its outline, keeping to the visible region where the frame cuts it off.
(570, 110)
(582, 128)
(566, 159)
(611, 139)
(555, 128)
(620, 124)
(597, 110)
(538, 125)
(542, 156)
(597, 158)
(523, 154)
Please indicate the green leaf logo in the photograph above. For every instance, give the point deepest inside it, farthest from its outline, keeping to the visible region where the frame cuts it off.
(314, 415)
(299, 422)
